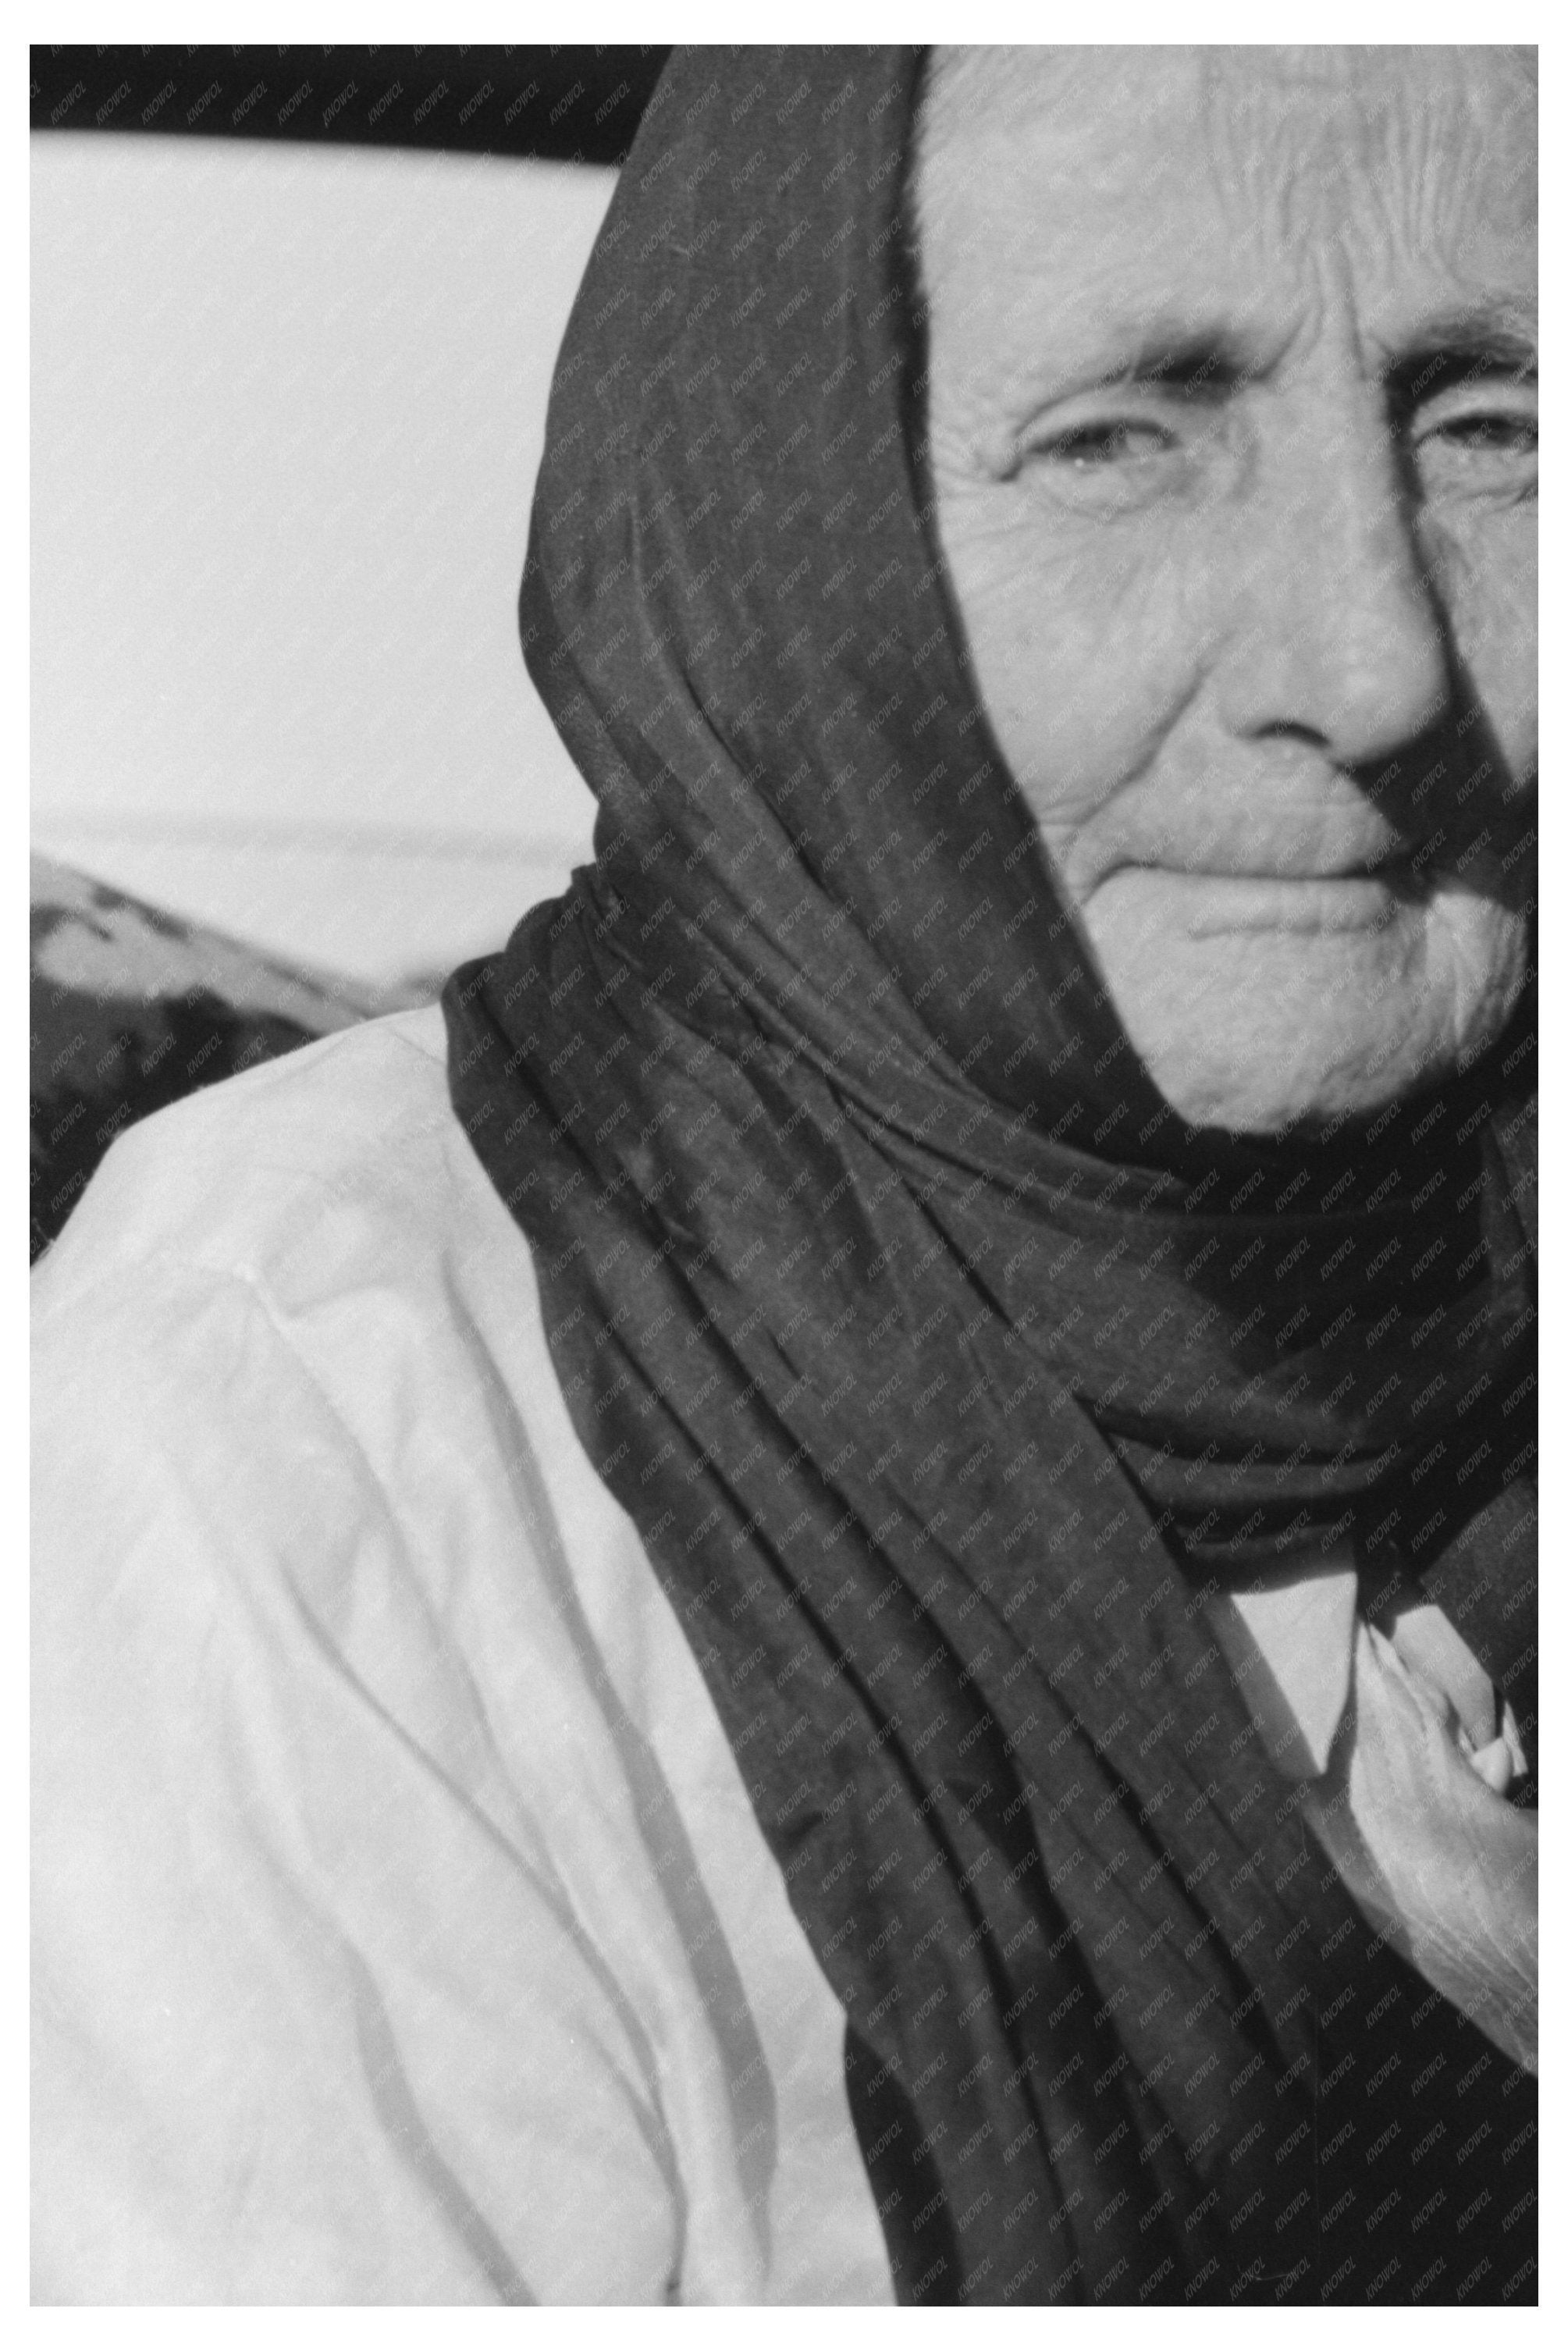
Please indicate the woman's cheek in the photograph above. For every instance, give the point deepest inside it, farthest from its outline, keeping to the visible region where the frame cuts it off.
(1128, 653)
(1084, 643)
(1504, 660)
(1485, 570)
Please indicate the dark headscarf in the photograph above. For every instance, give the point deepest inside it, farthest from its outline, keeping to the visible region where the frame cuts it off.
(941, 1370)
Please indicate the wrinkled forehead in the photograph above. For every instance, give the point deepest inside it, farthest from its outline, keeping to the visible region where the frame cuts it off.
(1288, 141)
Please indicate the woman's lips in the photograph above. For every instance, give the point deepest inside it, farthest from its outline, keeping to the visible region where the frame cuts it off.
(1213, 905)
(1348, 902)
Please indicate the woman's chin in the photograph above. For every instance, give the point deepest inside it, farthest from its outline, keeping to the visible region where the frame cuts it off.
(1262, 1032)
(1300, 1096)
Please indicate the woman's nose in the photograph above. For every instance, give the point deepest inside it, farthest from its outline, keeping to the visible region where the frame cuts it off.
(1337, 631)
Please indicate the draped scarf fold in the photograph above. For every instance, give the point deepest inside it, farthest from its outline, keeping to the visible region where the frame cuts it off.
(941, 1370)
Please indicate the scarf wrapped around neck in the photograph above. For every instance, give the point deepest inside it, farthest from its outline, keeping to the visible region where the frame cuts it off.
(941, 1370)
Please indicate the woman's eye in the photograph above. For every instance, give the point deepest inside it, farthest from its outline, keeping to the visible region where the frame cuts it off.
(1118, 441)
(1110, 464)
(1491, 436)
(1478, 449)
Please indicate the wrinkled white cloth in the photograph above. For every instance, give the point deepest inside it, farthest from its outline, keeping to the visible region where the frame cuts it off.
(1404, 1755)
(402, 1929)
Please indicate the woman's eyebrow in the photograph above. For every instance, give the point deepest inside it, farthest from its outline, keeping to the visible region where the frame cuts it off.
(1184, 356)
(1212, 358)
(1462, 345)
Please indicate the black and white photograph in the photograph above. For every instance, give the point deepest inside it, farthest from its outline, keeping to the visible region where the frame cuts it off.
(783, 1186)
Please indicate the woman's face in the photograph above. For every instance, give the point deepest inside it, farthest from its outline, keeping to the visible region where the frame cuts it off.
(1232, 407)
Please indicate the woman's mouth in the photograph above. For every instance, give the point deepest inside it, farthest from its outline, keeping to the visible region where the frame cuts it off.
(1313, 904)
(1211, 905)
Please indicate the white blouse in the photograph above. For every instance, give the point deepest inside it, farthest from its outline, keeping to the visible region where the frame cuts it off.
(403, 1932)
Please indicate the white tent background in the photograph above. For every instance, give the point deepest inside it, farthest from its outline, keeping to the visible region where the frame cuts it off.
(288, 405)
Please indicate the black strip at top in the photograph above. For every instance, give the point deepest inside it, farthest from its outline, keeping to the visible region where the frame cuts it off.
(576, 105)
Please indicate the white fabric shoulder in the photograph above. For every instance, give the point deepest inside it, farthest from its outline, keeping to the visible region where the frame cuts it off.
(403, 1932)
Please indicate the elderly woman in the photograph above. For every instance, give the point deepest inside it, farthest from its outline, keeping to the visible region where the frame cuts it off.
(836, 1604)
